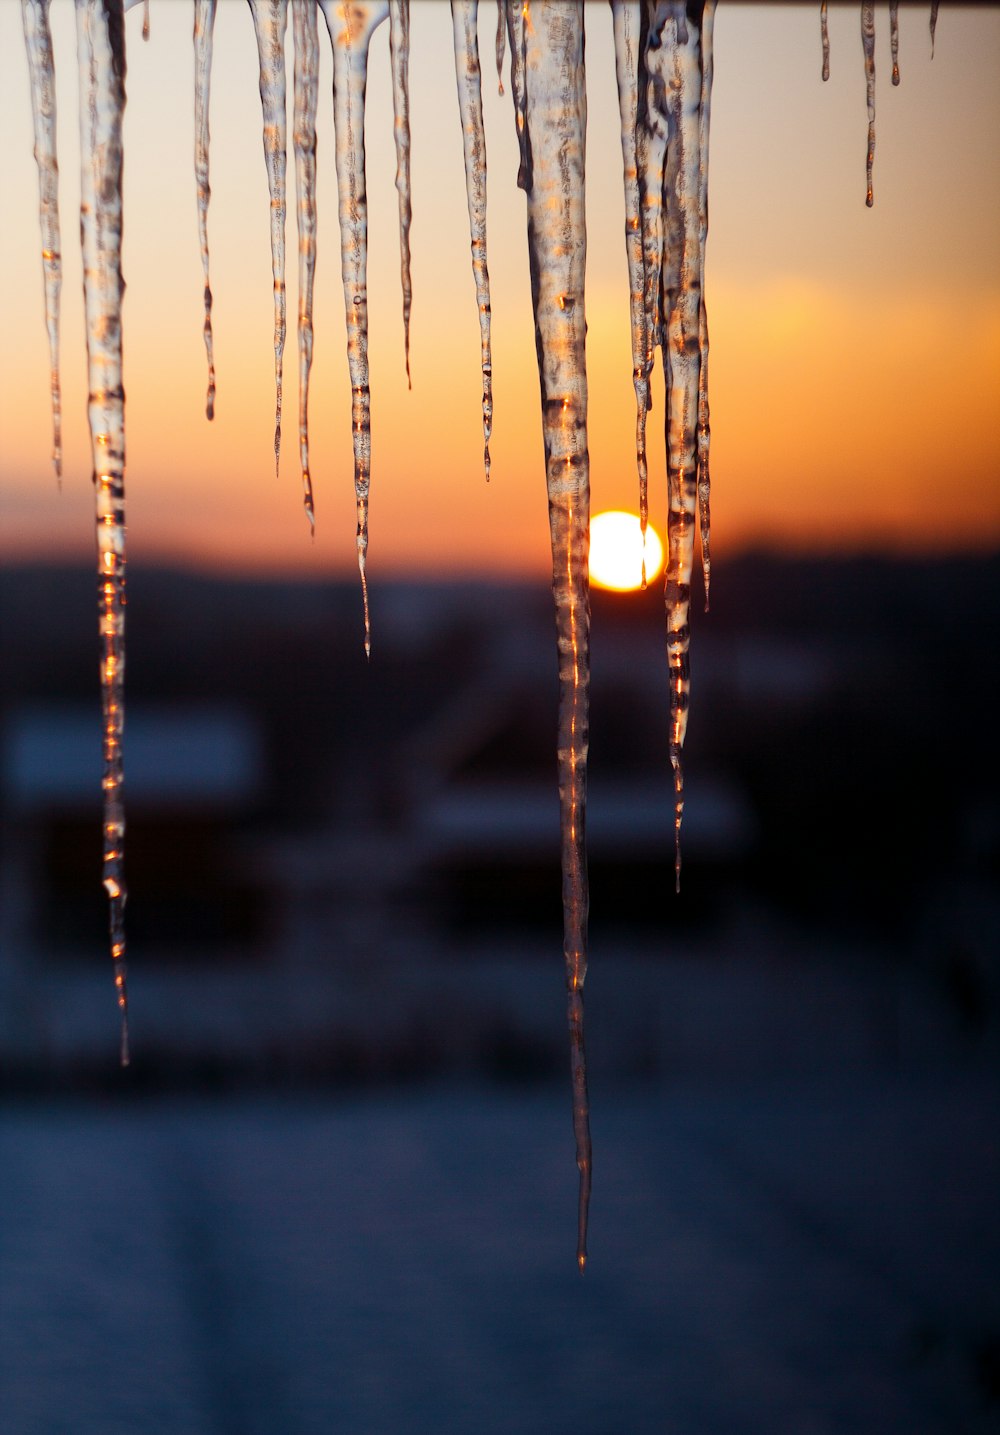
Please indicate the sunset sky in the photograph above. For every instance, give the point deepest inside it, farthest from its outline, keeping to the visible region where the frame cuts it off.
(855, 359)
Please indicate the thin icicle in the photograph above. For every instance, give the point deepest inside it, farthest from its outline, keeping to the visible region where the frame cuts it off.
(516, 34)
(824, 35)
(934, 15)
(145, 20)
(306, 45)
(894, 38)
(270, 20)
(101, 55)
(868, 43)
(677, 57)
(627, 25)
(555, 134)
(464, 18)
(704, 423)
(41, 71)
(351, 27)
(501, 38)
(204, 28)
(399, 53)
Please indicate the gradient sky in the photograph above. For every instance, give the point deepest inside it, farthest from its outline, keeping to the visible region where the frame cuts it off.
(855, 361)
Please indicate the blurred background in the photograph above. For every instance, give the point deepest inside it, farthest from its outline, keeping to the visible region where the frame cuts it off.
(336, 1187)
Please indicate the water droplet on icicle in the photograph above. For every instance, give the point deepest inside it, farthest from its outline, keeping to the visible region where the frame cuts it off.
(464, 16)
(204, 27)
(627, 23)
(399, 53)
(41, 72)
(894, 38)
(305, 38)
(824, 35)
(868, 43)
(351, 28)
(270, 20)
(555, 142)
(101, 56)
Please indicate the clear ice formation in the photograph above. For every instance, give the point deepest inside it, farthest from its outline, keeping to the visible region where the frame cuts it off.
(824, 35)
(101, 56)
(868, 44)
(42, 77)
(465, 23)
(663, 56)
(270, 20)
(894, 38)
(934, 15)
(399, 55)
(204, 29)
(555, 145)
(305, 39)
(351, 27)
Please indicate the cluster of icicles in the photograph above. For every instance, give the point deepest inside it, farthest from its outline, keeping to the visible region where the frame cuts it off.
(663, 59)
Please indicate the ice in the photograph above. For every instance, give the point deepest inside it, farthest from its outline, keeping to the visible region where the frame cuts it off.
(868, 42)
(351, 28)
(824, 33)
(101, 56)
(555, 145)
(399, 53)
(41, 71)
(204, 27)
(270, 19)
(894, 38)
(305, 38)
(465, 17)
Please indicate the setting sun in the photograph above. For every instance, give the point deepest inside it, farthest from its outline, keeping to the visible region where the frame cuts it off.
(616, 551)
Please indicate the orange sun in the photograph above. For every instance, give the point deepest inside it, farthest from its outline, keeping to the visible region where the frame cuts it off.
(616, 551)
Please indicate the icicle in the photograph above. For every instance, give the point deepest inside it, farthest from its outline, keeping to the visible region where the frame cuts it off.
(501, 37)
(101, 54)
(894, 38)
(270, 18)
(674, 56)
(351, 27)
(556, 124)
(824, 34)
(934, 15)
(41, 71)
(516, 33)
(204, 27)
(704, 424)
(627, 24)
(306, 45)
(868, 42)
(145, 20)
(399, 51)
(464, 17)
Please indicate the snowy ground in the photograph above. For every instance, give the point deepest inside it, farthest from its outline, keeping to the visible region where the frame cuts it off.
(804, 1257)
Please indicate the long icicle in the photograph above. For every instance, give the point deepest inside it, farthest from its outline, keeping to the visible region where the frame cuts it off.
(934, 20)
(681, 279)
(555, 136)
(868, 44)
(204, 28)
(704, 420)
(465, 17)
(100, 28)
(41, 73)
(894, 38)
(306, 46)
(399, 54)
(270, 20)
(516, 10)
(500, 43)
(824, 37)
(627, 27)
(351, 27)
